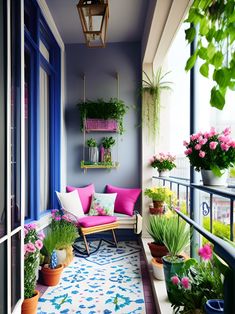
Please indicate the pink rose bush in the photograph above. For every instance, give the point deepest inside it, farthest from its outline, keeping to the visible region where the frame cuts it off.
(163, 161)
(32, 246)
(196, 282)
(211, 150)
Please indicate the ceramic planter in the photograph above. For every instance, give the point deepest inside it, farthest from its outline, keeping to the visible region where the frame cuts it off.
(214, 306)
(157, 269)
(170, 269)
(209, 178)
(30, 305)
(157, 251)
(164, 173)
(51, 277)
(93, 154)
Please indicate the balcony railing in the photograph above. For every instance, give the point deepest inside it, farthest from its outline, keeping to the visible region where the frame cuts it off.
(226, 197)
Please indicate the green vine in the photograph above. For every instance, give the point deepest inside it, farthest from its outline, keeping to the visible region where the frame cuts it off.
(213, 29)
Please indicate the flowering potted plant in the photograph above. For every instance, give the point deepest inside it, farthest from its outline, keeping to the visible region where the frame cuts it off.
(159, 195)
(65, 233)
(196, 282)
(32, 246)
(164, 162)
(211, 151)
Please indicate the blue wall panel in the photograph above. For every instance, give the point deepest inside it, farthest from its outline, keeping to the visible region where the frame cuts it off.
(99, 67)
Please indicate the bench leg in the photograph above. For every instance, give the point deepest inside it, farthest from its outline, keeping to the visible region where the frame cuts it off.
(114, 237)
(86, 244)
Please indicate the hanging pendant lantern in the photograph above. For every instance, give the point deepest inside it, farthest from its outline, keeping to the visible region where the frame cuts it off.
(94, 16)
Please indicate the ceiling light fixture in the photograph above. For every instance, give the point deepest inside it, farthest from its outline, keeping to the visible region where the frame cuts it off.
(94, 15)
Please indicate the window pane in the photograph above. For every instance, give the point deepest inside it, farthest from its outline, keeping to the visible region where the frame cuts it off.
(44, 140)
(27, 125)
(174, 119)
(3, 276)
(44, 51)
(2, 122)
(15, 269)
(15, 114)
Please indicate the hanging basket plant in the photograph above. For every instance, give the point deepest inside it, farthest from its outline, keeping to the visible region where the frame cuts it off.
(213, 29)
(152, 89)
(114, 109)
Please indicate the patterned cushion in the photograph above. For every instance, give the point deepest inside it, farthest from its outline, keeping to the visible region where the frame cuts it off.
(102, 204)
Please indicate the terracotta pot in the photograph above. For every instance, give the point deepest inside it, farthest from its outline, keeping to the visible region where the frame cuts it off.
(30, 305)
(157, 269)
(157, 251)
(157, 209)
(51, 277)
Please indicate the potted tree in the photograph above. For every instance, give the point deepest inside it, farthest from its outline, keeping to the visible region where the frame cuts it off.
(176, 238)
(107, 143)
(159, 195)
(103, 115)
(65, 233)
(93, 152)
(51, 271)
(32, 246)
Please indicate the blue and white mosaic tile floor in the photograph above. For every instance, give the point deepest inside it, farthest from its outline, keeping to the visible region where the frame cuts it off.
(106, 282)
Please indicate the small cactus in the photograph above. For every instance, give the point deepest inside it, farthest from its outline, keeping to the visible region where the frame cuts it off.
(54, 260)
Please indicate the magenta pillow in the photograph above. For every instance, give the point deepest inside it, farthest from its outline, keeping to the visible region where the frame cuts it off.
(85, 195)
(125, 200)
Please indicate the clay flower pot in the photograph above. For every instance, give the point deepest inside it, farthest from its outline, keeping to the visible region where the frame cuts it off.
(51, 277)
(157, 209)
(157, 251)
(157, 269)
(30, 305)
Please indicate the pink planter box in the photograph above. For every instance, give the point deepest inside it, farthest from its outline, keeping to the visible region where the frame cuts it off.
(101, 125)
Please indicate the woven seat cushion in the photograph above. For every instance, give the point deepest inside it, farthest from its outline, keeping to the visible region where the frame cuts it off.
(92, 221)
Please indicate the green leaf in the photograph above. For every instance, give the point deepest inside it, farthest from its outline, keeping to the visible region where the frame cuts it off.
(231, 31)
(190, 34)
(216, 170)
(202, 52)
(210, 50)
(194, 16)
(217, 59)
(204, 28)
(204, 69)
(231, 18)
(210, 34)
(222, 77)
(217, 98)
(191, 61)
(218, 35)
(232, 85)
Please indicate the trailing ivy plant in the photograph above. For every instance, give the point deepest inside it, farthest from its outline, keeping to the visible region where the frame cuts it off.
(213, 29)
(154, 87)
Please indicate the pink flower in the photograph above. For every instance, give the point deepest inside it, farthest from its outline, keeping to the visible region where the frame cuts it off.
(38, 244)
(185, 282)
(203, 141)
(188, 151)
(57, 218)
(25, 231)
(224, 147)
(227, 131)
(25, 248)
(205, 252)
(41, 235)
(212, 132)
(30, 248)
(31, 226)
(185, 143)
(202, 154)
(175, 280)
(198, 147)
(224, 139)
(213, 145)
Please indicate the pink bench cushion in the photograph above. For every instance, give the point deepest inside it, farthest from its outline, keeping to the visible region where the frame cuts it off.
(92, 221)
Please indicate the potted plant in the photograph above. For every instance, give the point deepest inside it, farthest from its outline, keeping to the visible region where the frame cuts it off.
(65, 233)
(196, 283)
(212, 29)
(159, 196)
(212, 153)
(51, 271)
(153, 89)
(164, 162)
(176, 238)
(107, 143)
(93, 152)
(32, 246)
(103, 115)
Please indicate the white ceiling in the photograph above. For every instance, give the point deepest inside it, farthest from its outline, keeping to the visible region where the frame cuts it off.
(126, 20)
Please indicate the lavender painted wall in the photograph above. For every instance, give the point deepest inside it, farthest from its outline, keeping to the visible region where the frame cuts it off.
(100, 67)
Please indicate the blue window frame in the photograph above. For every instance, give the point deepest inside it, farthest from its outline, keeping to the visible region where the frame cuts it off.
(36, 31)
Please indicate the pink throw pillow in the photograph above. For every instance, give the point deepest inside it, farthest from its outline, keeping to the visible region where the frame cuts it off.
(85, 194)
(125, 200)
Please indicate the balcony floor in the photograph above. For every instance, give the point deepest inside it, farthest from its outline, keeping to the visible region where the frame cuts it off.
(112, 280)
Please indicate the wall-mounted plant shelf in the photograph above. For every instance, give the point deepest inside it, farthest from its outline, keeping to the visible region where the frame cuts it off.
(99, 165)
